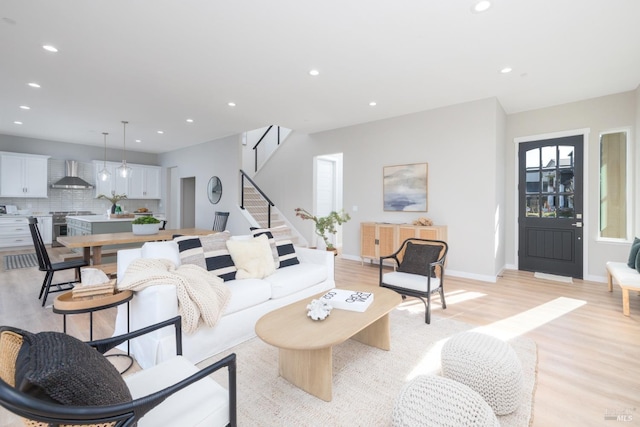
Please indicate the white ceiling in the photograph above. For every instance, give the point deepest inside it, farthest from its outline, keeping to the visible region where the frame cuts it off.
(156, 63)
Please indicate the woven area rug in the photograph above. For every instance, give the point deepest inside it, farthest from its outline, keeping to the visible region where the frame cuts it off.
(366, 380)
(20, 261)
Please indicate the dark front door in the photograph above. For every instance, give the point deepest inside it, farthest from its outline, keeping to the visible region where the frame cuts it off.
(550, 206)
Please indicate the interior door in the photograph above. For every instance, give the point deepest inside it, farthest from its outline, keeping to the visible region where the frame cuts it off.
(550, 206)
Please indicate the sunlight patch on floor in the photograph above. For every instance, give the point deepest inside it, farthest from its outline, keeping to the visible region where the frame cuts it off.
(504, 329)
(526, 321)
(414, 305)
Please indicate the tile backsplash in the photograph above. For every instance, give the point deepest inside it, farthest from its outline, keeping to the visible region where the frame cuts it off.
(75, 200)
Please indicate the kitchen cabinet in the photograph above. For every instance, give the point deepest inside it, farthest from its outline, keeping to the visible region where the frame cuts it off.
(23, 175)
(144, 182)
(380, 239)
(45, 226)
(14, 232)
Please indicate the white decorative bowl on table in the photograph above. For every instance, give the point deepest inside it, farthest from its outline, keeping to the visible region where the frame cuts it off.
(140, 229)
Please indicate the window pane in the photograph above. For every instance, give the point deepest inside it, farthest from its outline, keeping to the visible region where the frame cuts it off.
(613, 185)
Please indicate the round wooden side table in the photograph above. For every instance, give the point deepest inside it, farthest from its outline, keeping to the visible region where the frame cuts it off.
(65, 304)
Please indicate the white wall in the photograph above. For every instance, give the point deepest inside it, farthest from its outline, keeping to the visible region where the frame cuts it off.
(458, 142)
(222, 158)
(598, 114)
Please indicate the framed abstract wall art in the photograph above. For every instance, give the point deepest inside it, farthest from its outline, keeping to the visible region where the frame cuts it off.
(405, 187)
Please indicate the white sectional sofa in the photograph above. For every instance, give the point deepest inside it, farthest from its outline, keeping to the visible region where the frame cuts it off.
(250, 299)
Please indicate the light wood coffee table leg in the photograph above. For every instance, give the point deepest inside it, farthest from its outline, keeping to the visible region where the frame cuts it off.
(311, 370)
(377, 334)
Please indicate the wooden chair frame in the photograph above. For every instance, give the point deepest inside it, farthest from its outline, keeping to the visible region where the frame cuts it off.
(124, 414)
(438, 266)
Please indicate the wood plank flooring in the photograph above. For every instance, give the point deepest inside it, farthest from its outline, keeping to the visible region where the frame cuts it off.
(588, 352)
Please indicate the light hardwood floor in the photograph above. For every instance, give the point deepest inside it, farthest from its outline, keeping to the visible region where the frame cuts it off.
(588, 351)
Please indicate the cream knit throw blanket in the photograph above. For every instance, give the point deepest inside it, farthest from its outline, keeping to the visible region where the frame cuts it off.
(201, 295)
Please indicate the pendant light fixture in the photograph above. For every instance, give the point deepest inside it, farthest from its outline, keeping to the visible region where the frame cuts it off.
(123, 170)
(104, 174)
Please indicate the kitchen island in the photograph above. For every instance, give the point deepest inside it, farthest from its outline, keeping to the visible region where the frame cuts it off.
(84, 225)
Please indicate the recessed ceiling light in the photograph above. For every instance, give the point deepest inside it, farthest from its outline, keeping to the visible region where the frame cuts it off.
(314, 73)
(138, 140)
(34, 84)
(25, 107)
(231, 104)
(160, 132)
(189, 120)
(506, 70)
(17, 122)
(481, 6)
(49, 48)
(373, 103)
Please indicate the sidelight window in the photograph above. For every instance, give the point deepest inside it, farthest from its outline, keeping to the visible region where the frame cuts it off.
(614, 185)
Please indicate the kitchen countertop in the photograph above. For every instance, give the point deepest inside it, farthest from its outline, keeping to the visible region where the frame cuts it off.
(98, 218)
(36, 214)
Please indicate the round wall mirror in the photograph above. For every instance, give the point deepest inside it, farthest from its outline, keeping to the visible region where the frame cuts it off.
(214, 189)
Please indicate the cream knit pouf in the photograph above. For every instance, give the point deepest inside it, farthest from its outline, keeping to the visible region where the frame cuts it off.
(487, 365)
(430, 400)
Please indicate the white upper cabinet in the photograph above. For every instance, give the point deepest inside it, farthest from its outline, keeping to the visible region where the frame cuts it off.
(23, 175)
(144, 182)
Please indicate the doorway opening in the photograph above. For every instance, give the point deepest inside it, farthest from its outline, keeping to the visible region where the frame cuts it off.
(188, 202)
(328, 190)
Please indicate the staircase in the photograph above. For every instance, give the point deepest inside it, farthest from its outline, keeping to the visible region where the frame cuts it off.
(257, 207)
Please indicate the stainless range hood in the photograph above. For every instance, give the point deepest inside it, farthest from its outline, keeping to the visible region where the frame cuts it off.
(71, 179)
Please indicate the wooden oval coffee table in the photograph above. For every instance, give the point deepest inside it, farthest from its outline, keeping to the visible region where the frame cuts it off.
(306, 346)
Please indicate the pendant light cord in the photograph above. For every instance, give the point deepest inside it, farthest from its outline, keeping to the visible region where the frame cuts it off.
(104, 164)
(124, 142)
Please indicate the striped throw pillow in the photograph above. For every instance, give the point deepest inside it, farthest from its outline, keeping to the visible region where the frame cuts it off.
(284, 253)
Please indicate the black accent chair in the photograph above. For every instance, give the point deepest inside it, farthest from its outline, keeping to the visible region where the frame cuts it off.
(418, 271)
(134, 411)
(45, 264)
(220, 221)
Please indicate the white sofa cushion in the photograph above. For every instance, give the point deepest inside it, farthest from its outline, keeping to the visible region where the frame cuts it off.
(286, 281)
(246, 293)
(204, 403)
(161, 250)
(416, 282)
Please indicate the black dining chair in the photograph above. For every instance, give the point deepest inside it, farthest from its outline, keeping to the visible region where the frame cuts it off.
(220, 221)
(45, 264)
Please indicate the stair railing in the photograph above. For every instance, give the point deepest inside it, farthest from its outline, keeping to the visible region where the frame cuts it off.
(255, 147)
(244, 176)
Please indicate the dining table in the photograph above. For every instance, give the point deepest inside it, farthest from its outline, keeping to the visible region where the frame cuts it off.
(92, 244)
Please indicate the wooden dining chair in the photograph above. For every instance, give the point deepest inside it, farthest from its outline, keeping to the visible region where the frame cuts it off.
(45, 264)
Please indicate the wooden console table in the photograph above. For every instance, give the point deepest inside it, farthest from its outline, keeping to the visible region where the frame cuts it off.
(379, 238)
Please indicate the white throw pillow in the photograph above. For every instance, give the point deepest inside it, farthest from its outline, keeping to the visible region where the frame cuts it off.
(253, 258)
(161, 250)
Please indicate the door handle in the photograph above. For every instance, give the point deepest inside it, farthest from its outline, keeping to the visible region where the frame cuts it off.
(577, 224)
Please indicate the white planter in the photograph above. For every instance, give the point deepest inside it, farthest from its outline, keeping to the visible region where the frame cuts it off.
(145, 228)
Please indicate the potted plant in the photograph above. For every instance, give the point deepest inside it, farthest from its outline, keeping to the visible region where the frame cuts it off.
(114, 198)
(325, 225)
(145, 225)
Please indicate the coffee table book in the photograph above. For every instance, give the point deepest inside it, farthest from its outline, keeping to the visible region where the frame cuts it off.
(345, 299)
